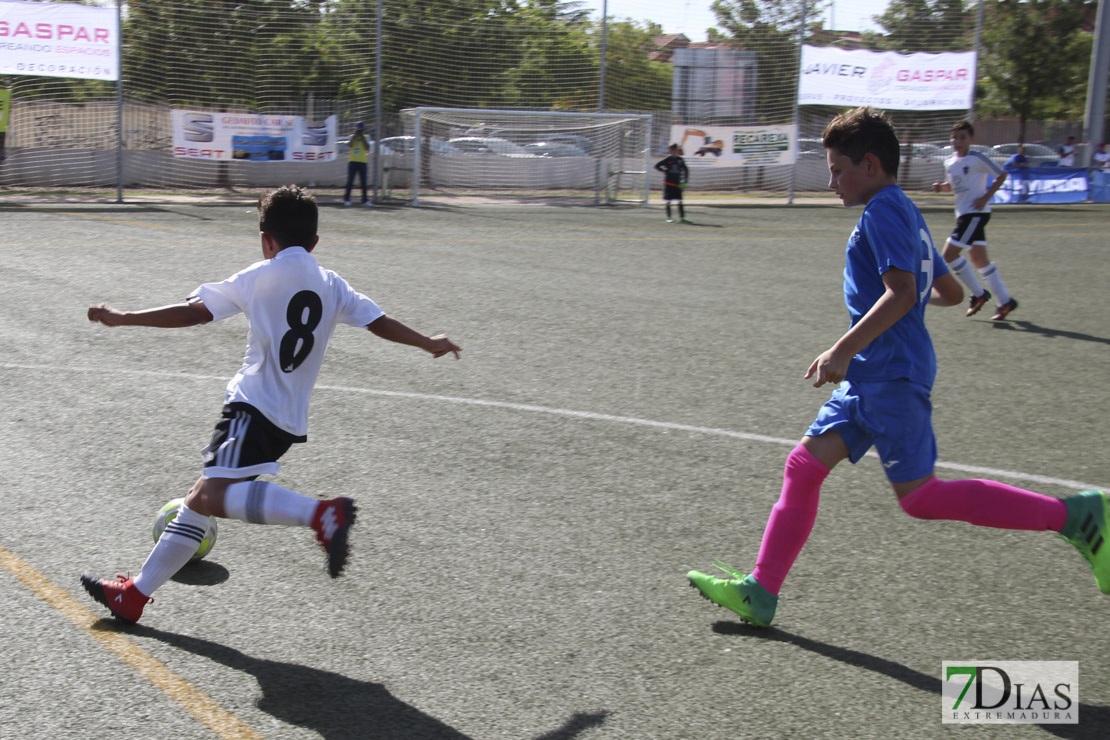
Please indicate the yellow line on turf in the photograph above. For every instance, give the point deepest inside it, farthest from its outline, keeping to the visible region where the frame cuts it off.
(203, 707)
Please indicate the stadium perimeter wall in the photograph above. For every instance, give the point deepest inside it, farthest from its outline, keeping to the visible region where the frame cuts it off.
(40, 168)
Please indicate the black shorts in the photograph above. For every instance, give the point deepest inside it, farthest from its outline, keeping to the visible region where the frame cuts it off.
(672, 192)
(246, 444)
(971, 229)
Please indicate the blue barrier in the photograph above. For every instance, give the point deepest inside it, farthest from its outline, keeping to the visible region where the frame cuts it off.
(1100, 186)
(1044, 185)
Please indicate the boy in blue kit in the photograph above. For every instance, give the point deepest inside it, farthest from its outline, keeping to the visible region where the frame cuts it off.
(884, 366)
(292, 306)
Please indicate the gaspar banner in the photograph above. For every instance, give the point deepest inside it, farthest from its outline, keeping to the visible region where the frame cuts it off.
(59, 40)
(252, 137)
(886, 79)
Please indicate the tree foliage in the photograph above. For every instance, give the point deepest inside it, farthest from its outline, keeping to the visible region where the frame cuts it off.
(258, 54)
(1034, 58)
(950, 26)
(771, 28)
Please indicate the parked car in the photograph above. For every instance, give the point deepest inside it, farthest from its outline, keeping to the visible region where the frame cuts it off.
(488, 145)
(404, 145)
(1039, 155)
(554, 149)
(585, 143)
(922, 152)
(810, 148)
(524, 137)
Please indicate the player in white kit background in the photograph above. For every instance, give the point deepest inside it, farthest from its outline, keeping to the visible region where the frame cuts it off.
(292, 305)
(974, 179)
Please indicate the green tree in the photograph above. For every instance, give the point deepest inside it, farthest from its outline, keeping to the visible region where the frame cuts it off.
(925, 25)
(219, 53)
(771, 29)
(633, 81)
(1034, 59)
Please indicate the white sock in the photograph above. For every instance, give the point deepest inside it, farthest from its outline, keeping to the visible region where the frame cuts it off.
(173, 550)
(965, 272)
(260, 502)
(993, 278)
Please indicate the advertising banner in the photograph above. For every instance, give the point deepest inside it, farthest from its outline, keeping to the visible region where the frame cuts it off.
(59, 40)
(886, 79)
(734, 146)
(251, 137)
(1100, 186)
(1043, 185)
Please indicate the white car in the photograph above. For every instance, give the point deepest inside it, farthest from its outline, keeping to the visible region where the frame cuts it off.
(489, 145)
(404, 145)
(1038, 155)
(554, 149)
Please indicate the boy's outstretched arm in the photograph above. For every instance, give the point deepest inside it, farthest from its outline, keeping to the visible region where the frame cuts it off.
(901, 295)
(177, 316)
(390, 328)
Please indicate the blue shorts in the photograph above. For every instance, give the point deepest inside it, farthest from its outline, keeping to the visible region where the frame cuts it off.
(895, 417)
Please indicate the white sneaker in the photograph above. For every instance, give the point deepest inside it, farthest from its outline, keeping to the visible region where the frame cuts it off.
(346, 202)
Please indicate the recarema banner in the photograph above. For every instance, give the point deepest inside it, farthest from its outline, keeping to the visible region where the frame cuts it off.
(704, 146)
(886, 79)
(58, 40)
(251, 137)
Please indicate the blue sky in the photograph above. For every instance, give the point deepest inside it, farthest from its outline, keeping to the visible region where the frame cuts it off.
(692, 17)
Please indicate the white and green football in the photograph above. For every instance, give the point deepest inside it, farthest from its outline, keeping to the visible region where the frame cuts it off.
(167, 514)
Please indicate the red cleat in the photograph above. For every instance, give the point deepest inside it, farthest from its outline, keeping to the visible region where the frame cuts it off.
(977, 302)
(120, 596)
(332, 522)
(1004, 310)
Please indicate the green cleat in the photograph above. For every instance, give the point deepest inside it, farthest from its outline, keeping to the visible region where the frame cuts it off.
(742, 594)
(1088, 529)
(686, 221)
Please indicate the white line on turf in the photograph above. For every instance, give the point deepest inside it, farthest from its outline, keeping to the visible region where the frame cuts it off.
(533, 408)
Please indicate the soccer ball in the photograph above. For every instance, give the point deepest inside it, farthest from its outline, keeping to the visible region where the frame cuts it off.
(167, 514)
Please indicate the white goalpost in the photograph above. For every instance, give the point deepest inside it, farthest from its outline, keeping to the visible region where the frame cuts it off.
(540, 156)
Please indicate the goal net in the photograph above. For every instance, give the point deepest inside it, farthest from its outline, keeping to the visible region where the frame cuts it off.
(539, 156)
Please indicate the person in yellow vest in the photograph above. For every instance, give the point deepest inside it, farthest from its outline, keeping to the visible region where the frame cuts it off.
(356, 163)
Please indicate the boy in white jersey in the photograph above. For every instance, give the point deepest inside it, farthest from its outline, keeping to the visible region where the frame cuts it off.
(884, 367)
(293, 306)
(974, 178)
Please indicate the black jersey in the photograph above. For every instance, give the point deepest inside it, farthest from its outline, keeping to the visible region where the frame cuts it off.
(673, 169)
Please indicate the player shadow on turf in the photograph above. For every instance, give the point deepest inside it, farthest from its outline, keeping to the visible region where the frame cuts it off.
(1029, 326)
(1093, 719)
(335, 705)
(201, 573)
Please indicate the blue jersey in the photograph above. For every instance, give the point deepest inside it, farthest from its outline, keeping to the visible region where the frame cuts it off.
(892, 233)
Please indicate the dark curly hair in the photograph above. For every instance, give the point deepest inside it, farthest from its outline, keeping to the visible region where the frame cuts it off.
(290, 215)
(863, 131)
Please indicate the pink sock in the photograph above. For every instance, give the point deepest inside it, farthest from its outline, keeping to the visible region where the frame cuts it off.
(791, 519)
(985, 503)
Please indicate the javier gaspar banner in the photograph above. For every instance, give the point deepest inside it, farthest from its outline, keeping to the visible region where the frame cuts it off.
(252, 137)
(59, 40)
(886, 79)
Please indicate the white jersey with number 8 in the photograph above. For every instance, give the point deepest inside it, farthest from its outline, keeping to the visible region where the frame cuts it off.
(292, 305)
